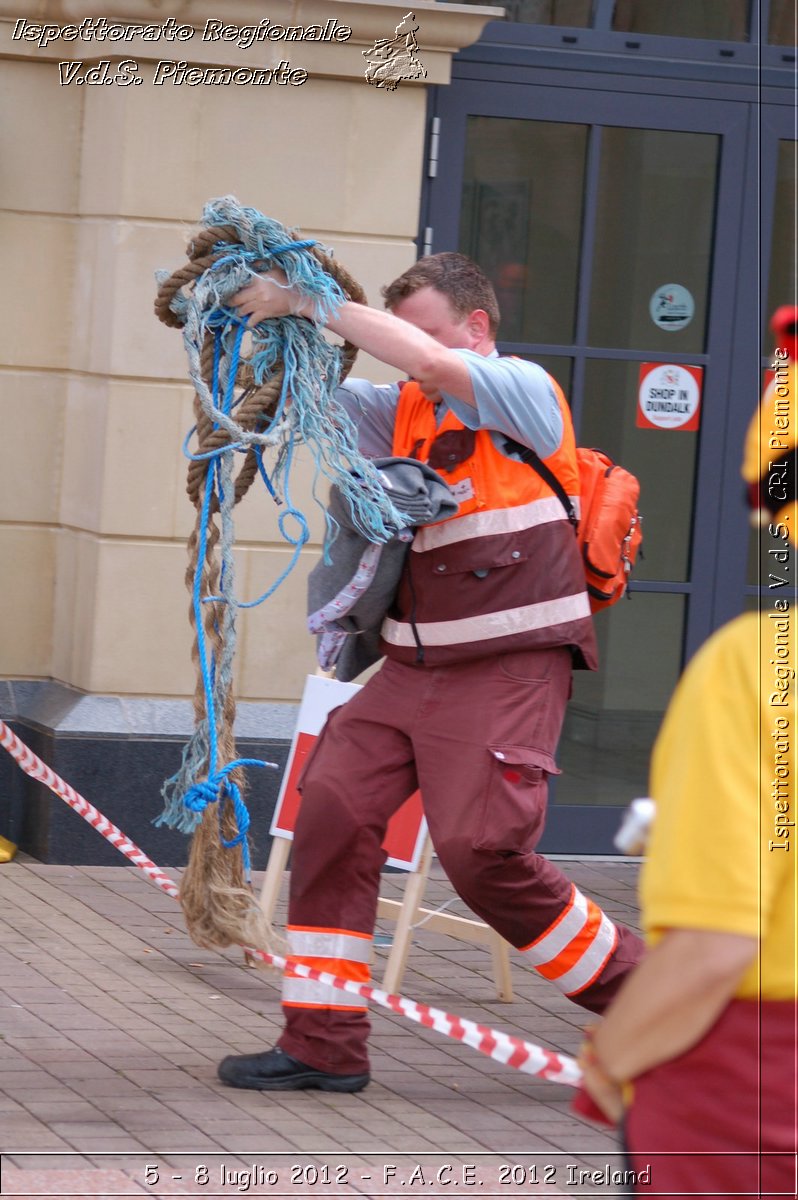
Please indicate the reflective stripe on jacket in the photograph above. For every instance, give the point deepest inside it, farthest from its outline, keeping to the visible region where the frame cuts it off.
(338, 952)
(504, 573)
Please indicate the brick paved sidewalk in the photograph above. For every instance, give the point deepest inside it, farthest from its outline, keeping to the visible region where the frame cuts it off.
(113, 1022)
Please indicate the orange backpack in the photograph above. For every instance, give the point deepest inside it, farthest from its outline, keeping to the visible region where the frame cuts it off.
(609, 529)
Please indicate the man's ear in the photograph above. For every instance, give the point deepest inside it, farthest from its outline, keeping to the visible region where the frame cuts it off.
(479, 324)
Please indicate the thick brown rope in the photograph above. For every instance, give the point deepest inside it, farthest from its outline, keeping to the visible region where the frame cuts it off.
(216, 901)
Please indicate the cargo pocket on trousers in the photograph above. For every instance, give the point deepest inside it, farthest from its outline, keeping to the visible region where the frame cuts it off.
(514, 804)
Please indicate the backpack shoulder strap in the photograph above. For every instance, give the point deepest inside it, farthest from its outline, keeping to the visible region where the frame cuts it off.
(532, 459)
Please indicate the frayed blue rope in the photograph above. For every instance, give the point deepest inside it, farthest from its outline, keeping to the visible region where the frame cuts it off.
(192, 800)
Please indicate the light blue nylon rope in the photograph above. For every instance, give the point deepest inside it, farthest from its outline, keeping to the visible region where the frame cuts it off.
(218, 787)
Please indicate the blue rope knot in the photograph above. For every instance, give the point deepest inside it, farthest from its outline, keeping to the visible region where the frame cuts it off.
(200, 795)
(219, 786)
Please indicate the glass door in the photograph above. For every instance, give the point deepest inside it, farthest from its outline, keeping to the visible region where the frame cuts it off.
(610, 225)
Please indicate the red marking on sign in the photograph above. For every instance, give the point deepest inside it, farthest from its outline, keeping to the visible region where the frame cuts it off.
(403, 828)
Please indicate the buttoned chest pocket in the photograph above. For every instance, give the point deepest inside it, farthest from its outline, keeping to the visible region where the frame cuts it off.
(478, 561)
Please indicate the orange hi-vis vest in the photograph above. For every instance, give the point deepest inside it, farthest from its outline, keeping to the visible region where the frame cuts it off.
(504, 573)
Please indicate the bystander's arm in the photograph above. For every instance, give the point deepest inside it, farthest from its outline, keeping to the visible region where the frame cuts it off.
(671, 1000)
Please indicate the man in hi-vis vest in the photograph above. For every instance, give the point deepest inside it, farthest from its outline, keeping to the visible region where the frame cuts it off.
(489, 619)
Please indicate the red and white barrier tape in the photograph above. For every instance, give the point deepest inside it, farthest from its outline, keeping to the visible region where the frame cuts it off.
(524, 1056)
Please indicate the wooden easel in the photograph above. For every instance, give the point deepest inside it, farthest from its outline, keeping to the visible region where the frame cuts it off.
(407, 913)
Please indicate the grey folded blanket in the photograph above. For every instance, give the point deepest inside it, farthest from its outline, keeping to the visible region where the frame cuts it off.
(352, 626)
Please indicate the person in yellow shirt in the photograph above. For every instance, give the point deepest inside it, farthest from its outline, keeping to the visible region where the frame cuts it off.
(696, 1057)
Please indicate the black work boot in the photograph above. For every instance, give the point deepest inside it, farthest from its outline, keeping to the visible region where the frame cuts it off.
(276, 1071)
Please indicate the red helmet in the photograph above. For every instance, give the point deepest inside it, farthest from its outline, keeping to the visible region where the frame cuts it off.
(769, 455)
(784, 325)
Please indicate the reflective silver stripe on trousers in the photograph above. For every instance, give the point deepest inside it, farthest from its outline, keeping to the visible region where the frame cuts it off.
(311, 993)
(591, 961)
(490, 625)
(314, 943)
(569, 925)
(490, 523)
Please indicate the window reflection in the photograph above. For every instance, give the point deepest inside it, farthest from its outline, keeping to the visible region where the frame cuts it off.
(725, 20)
(783, 247)
(782, 23)
(655, 227)
(573, 13)
(521, 220)
(615, 713)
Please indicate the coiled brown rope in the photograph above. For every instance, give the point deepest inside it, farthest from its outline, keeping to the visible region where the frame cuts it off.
(216, 899)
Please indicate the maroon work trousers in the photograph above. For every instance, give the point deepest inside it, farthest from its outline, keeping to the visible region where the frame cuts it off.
(478, 739)
(720, 1120)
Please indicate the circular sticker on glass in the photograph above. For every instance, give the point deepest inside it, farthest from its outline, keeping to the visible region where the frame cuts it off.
(672, 306)
(669, 396)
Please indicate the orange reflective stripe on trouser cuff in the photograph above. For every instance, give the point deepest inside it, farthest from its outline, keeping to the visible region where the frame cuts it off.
(575, 949)
(336, 951)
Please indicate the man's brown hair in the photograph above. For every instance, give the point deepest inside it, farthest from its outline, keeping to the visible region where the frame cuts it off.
(457, 277)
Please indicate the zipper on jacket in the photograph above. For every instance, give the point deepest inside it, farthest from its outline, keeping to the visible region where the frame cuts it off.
(413, 626)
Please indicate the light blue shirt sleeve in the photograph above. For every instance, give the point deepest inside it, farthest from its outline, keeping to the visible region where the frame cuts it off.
(513, 397)
(371, 407)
